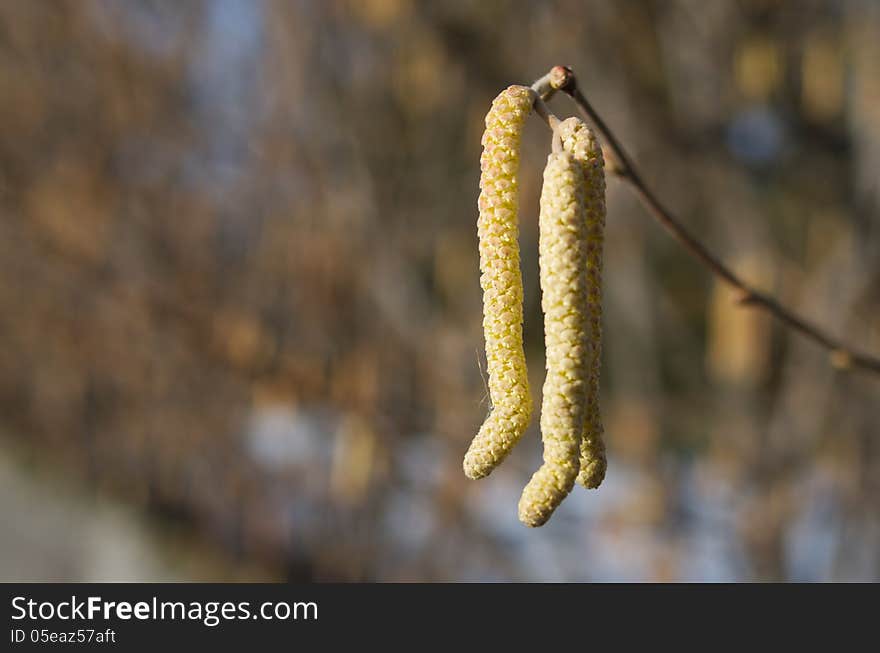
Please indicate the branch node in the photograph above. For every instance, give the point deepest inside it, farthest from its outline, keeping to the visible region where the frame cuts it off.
(841, 359)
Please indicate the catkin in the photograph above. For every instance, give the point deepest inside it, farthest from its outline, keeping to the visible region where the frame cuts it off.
(501, 281)
(563, 254)
(578, 140)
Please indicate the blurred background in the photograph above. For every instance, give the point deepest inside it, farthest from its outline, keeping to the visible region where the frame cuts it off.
(240, 307)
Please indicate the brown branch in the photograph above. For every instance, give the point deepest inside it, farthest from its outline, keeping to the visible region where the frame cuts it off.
(842, 356)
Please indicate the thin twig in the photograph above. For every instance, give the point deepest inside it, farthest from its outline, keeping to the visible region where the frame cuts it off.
(842, 356)
(544, 87)
(543, 111)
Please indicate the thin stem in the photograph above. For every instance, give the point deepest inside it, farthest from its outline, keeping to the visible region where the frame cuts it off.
(544, 87)
(842, 356)
(543, 111)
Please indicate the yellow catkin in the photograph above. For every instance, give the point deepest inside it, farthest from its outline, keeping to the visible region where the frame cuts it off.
(564, 283)
(501, 281)
(578, 140)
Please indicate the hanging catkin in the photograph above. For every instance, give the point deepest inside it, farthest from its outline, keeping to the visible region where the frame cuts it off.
(501, 281)
(578, 140)
(563, 257)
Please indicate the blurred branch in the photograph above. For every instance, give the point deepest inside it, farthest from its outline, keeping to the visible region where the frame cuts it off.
(842, 355)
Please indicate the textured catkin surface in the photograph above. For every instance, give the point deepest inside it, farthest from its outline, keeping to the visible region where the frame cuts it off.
(501, 281)
(564, 284)
(579, 142)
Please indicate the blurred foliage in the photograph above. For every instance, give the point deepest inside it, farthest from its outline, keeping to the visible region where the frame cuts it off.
(240, 287)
